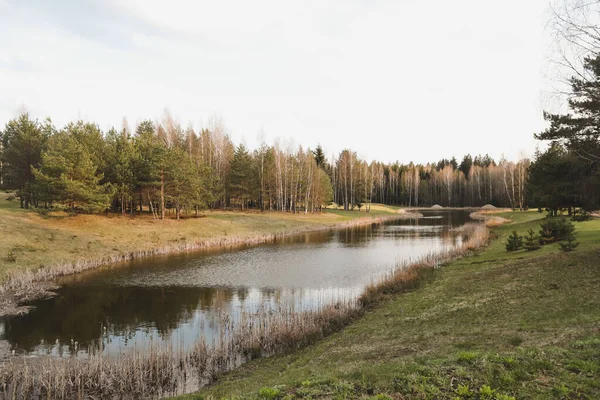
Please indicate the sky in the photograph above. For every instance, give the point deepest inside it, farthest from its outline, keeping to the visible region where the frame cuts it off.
(402, 80)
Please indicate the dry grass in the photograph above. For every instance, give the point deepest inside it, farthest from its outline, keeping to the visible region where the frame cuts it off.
(166, 370)
(408, 275)
(41, 248)
(490, 219)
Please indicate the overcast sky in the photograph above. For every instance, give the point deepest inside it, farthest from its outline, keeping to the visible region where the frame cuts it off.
(394, 80)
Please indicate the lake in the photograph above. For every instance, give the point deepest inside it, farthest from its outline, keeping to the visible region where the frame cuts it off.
(178, 298)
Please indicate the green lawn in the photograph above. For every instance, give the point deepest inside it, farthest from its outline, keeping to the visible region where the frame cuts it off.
(489, 326)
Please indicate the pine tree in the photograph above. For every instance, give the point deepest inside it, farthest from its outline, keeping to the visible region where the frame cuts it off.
(120, 171)
(23, 141)
(570, 245)
(183, 182)
(579, 130)
(241, 178)
(68, 175)
(532, 241)
(514, 242)
(320, 157)
(569, 237)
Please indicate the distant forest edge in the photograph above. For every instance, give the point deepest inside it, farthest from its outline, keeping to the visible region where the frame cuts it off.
(162, 166)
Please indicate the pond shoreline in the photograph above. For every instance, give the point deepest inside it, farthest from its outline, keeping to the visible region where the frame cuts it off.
(27, 286)
(269, 334)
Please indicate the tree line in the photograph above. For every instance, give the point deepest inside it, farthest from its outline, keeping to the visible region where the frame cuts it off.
(566, 175)
(163, 168)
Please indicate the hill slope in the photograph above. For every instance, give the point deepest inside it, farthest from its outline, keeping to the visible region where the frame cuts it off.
(490, 326)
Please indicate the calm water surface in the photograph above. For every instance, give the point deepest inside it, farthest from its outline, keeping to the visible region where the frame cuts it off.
(176, 299)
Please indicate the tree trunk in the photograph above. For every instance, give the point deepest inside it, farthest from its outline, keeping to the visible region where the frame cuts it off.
(162, 194)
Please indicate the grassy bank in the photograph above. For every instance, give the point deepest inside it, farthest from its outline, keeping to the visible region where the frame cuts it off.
(36, 247)
(490, 326)
(164, 371)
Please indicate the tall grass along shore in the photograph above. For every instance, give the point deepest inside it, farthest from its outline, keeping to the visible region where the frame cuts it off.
(41, 248)
(494, 325)
(166, 370)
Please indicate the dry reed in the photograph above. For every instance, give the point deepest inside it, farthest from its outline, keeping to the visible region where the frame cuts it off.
(409, 274)
(28, 285)
(490, 220)
(164, 370)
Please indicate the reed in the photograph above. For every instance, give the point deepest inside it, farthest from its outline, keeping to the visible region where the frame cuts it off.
(410, 274)
(26, 285)
(164, 370)
(490, 220)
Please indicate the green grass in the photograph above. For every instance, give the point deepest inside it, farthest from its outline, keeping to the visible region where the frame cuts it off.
(30, 240)
(588, 234)
(489, 326)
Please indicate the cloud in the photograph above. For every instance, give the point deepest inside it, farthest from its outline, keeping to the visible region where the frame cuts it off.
(400, 80)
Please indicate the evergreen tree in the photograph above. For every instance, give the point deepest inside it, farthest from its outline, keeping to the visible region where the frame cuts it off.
(320, 157)
(580, 133)
(241, 178)
(120, 170)
(571, 243)
(147, 165)
(532, 241)
(581, 128)
(22, 143)
(184, 186)
(68, 175)
(465, 165)
(514, 242)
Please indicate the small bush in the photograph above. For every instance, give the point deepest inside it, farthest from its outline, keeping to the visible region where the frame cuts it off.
(555, 230)
(514, 242)
(581, 217)
(532, 241)
(467, 356)
(486, 392)
(11, 198)
(570, 245)
(269, 393)
(463, 391)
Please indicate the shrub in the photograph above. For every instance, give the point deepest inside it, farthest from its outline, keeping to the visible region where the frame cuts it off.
(467, 356)
(269, 393)
(581, 217)
(381, 396)
(11, 197)
(514, 242)
(463, 391)
(486, 392)
(555, 230)
(571, 243)
(532, 241)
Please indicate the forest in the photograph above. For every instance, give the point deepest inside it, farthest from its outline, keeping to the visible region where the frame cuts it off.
(162, 168)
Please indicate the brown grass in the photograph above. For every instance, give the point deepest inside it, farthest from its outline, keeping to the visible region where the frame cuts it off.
(410, 274)
(490, 220)
(166, 370)
(26, 282)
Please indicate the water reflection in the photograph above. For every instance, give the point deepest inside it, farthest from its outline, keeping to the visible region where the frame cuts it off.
(177, 298)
